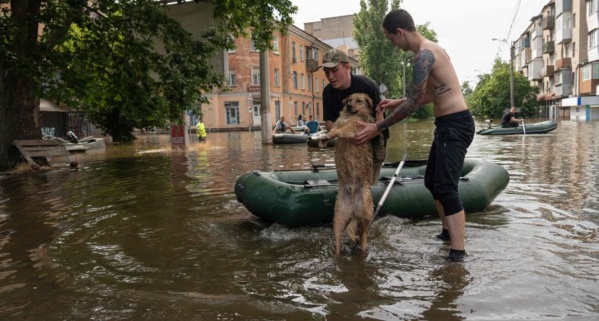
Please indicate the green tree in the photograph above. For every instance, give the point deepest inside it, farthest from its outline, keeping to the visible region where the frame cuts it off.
(466, 89)
(491, 97)
(380, 60)
(125, 63)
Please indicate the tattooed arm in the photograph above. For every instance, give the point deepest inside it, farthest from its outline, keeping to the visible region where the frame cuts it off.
(423, 63)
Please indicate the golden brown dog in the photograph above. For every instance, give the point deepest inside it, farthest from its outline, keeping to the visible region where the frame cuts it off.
(354, 206)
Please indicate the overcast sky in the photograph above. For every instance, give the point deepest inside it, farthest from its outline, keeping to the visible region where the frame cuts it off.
(464, 27)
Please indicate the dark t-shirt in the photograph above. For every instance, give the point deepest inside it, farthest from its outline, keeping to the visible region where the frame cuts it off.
(507, 117)
(333, 98)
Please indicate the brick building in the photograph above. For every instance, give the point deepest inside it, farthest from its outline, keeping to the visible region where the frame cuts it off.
(295, 83)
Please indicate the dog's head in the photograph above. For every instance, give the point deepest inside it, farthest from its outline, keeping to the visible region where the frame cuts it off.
(360, 104)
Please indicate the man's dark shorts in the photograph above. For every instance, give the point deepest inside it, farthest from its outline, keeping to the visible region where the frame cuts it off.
(453, 136)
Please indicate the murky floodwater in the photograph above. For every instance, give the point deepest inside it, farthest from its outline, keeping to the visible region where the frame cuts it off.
(145, 233)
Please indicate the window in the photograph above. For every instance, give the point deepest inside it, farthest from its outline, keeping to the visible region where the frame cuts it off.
(595, 70)
(310, 83)
(586, 72)
(293, 51)
(315, 54)
(317, 109)
(295, 107)
(295, 80)
(593, 38)
(232, 112)
(256, 76)
(253, 46)
(277, 77)
(232, 78)
(301, 53)
(232, 39)
(316, 85)
(275, 44)
(303, 82)
(591, 7)
(558, 78)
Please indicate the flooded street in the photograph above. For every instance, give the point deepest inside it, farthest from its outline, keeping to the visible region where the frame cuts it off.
(143, 232)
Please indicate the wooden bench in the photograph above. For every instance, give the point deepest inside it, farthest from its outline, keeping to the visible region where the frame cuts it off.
(44, 152)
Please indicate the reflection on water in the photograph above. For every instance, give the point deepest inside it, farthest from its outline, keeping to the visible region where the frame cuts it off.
(144, 232)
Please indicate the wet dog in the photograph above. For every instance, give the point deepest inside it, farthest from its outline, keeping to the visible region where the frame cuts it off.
(354, 206)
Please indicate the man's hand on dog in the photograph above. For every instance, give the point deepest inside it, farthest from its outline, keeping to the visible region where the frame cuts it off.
(369, 131)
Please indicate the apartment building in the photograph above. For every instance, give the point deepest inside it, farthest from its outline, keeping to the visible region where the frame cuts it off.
(295, 82)
(337, 32)
(559, 53)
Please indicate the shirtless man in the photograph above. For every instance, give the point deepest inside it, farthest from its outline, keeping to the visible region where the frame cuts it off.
(433, 80)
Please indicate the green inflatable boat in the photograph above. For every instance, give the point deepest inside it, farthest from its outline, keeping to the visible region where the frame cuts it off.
(307, 197)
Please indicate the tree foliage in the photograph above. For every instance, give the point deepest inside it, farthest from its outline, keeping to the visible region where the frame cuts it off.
(379, 59)
(491, 97)
(125, 63)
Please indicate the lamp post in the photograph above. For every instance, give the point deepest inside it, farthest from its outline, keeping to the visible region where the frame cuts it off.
(511, 69)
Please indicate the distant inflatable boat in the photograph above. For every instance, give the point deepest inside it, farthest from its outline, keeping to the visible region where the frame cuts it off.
(536, 128)
(289, 138)
(307, 197)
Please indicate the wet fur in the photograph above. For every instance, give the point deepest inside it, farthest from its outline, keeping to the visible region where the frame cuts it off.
(354, 206)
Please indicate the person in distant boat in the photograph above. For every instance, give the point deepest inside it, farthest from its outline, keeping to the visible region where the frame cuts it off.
(312, 125)
(509, 118)
(201, 130)
(301, 124)
(281, 127)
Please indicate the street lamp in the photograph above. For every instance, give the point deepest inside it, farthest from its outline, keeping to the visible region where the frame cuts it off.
(511, 69)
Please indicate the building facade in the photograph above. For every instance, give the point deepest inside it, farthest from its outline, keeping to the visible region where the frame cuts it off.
(559, 53)
(337, 32)
(295, 83)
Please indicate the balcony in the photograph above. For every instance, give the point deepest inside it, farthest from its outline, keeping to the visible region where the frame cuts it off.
(563, 29)
(563, 63)
(311, 65)
(535, 69)
(548, 71)
(548, 23)
(548, 47)
(526, 55)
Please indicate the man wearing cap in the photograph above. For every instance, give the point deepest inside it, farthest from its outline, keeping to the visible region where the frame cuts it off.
(343, 84)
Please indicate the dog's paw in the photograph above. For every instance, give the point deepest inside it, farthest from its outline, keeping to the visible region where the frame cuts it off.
(324, 139)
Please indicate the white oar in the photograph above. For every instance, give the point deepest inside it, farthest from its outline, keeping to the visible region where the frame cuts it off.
(388, 189)
(523, 127)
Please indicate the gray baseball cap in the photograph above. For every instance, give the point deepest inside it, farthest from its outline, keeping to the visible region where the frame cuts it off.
(333, 57)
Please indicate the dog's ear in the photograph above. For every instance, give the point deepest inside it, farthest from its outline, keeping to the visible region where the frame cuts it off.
(344, 102)
(368, 101)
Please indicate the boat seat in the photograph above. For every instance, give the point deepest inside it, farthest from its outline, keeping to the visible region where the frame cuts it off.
(316, 183)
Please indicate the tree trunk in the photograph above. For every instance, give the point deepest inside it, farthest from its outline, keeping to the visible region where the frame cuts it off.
(19, 101)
